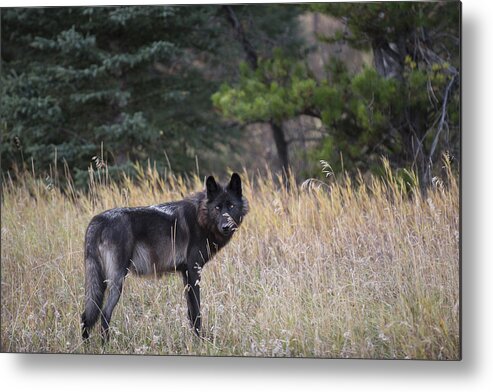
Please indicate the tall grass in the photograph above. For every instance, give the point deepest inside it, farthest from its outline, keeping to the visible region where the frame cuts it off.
(342, 268)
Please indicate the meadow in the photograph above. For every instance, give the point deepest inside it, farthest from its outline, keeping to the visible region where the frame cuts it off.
(364, 267)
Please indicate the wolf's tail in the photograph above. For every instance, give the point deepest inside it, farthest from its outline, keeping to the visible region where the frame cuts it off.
(94, 284)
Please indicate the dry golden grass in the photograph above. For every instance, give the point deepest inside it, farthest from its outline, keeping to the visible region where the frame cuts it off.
(335, 270)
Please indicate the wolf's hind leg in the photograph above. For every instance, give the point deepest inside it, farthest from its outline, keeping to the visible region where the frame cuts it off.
(114, 292)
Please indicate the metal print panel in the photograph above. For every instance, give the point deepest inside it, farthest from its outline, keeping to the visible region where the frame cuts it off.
(274, 180)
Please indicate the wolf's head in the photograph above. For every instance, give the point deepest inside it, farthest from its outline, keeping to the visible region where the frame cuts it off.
(225, 206)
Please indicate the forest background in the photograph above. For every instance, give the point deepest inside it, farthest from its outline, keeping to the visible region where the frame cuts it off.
(278, 86)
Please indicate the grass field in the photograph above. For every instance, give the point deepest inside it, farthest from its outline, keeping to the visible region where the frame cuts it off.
(341, 269)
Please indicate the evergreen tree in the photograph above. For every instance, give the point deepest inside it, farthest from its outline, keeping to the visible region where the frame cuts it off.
(406, 107)
(77, 77)
(138, 79)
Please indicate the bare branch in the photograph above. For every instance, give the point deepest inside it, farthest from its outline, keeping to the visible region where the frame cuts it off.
(442, 118)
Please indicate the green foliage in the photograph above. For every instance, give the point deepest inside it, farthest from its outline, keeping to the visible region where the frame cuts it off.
(278, 89)
(365, 127)
(137, 79)
(140, 81)
(389, 21)
(75, 77)
(372, 99)
(392, 109)
(397, 109)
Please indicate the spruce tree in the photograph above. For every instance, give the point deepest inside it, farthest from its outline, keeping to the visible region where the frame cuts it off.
(131, 78)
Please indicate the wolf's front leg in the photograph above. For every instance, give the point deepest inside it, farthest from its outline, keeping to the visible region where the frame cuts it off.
(191, 279)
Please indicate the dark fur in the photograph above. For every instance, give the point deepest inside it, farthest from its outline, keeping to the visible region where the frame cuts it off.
(150, 241)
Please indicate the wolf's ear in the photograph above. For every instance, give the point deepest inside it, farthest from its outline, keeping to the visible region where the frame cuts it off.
(212, 187)
(235, 184)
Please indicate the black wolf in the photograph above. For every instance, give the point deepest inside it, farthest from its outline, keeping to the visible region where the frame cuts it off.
(178, 236)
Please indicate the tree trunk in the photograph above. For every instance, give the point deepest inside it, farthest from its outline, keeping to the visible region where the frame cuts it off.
(281, 146)
(252, 59)
(388, 62)
(250, 52)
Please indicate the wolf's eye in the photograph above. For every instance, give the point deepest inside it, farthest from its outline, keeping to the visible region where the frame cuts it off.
(218, 207)
(231, 206)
